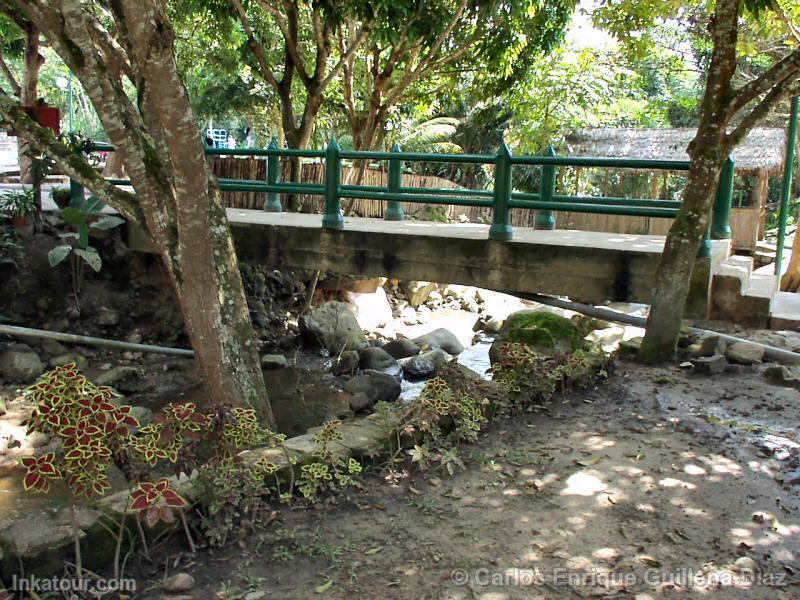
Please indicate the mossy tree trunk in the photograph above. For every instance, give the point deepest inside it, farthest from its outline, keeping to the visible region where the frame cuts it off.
(177, 201)
(722, 105)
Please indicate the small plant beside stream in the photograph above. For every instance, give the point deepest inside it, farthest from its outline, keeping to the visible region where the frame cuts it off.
(83, 216)
(447, 414)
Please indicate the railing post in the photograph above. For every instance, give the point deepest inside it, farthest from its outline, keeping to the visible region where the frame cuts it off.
(721, 215)
(332, 219)
(394, 212)
(545, 218)
(786, 185)
(273, 202)
(501, 225)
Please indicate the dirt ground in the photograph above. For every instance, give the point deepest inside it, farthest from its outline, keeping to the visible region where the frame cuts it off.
(659, 483)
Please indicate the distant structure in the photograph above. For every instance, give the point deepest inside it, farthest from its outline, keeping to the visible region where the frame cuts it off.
(759, 157)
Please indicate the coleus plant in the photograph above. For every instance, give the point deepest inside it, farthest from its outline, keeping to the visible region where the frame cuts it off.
(94, 432)
(91, 428)
(156, 502)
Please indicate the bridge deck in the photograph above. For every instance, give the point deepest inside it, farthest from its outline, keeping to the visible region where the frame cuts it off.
(470, 231)
(586, 265)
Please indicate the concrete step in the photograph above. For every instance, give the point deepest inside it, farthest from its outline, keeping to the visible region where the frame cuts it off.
(761, 285)
(741, 295)
(785, 312)
(736, 267)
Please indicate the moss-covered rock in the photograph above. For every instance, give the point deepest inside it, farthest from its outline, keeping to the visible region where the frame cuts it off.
(545, 332)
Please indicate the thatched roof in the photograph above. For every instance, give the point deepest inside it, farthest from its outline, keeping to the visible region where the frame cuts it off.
(762, 149)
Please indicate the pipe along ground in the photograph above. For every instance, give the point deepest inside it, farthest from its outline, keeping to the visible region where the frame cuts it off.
(91, 341)
(770, 352)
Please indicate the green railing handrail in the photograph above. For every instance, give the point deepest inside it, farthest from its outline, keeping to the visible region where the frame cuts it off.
(486, 159)
(501, 199)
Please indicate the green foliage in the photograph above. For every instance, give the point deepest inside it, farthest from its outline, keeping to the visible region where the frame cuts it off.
(12, 252)
(530, 377)
(328, 472)
(90, 427)
(18, 203)
(437, 214)
(83, 215)
(439, 419)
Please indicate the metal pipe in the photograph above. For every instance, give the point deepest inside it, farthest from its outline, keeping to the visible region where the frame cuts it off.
(86, 340)
(770, 352)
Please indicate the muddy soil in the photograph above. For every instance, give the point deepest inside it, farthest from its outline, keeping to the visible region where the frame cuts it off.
(659, 483)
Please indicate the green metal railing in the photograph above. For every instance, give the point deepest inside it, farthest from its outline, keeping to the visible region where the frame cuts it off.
(786, 185)
(501, 199)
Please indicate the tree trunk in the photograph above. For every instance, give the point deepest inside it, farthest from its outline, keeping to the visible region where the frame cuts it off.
(192, 232)
(29, 94)
(177, 200)
(674, 272)
(707, 151)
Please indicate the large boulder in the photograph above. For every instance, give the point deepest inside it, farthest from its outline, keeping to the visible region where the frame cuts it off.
(370, 388)
(442, 339)
(332, 326)
(544, 332)
(20, 365)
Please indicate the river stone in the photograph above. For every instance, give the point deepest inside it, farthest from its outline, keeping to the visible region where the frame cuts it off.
(710, 365)
(127, 380)
(347, 363)
(53, 347)
(402, 348)
(180, 582)
(274, 361)
(438, 357)
(22, 366)
(782, 375)
(332, 326)
(417, 292)
(440, 338)
(108, 317)
(418, 367)
(744, 353)
(142, 414)
(376, 358)
(711, 345)
(80, 361)
(545, 332)
(375, 386)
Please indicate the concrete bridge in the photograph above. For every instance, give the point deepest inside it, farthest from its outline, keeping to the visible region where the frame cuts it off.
(584, 265)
